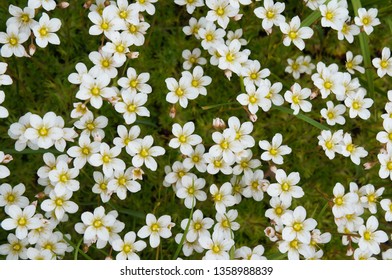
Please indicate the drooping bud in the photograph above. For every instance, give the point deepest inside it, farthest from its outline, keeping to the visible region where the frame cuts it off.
(228, 74)
(63, 5)
(32, 49)
(7, 158)
(172, 112)
(218, 123)
(132, 55)
(253, 117)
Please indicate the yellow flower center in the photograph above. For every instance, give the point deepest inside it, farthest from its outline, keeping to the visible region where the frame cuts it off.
(48, 247)
(270, 14)
(384, 64)
(120, 48)
(329, 145)
(268, 96)
(217, 163)
(105, 63)
(295, 99)
(389, 165)
(350, 148)
(371, 198)
(225, 223)
(59, 202)
(278, 210)
(273, 152)
(131, 108)
(298, 226)
(217, 197)
(127, 140)
(122, 180)
(95, 91)
(16, 247)
(191, 190)
(142, 1)
(356, 105)
(220, 11)
(133, 83)
(179, 92)
(253, 76)
(295, 66)
(103, 186)
(224, 145)
(365, 20)
(367, 235)
(195, 83)
(285, 187)
(328, 85)
(192, 59)
(22, 221)
(215, 249)
(339, 201)
(13, 41)
(181, 174)
(294, 244)
(229, 57)
(144, 153)
(154, 227)
(90, 126)
(86, 151)
(344, 28)
(104, 25)
(132, 28)
(43, 31)
(97, 223)
(244, 164)
(127, 249)
(197, 226)
(330, 115)
(43, 131)
(106, 159)
(10, 198)
(252, 99)
(293, 35)
(182, 139)
(123, 14)
(195, 158)
(349, 64)
(63, 178)
(254, 185)
(209, 37)
(329, 15)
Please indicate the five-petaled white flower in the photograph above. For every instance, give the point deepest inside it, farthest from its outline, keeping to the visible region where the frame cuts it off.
(274, 151)
(295, 33)
(156, 228)
(143, 153)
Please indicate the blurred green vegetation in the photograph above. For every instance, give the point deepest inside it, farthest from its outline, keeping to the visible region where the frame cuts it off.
(40, 85)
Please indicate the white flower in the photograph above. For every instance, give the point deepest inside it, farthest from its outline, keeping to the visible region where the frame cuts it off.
(135, 82)
(211, 36)
(385, 137)
(48, 5)
(353, 62)
(12, 42)
(128, 248)
(270, 14)
(225, 222)
(333, 114)
(94, 89)
(386, 165)
(225, 145)
(12, 195)
(107, 157)
(43, 131)
(156, 228)
(83, 152)
(198, 226)
(24, 19)
(286, 188)
(255, 185)
(245, 163)
(4, 171)
(370, 196)
(101, 186)
(331, 142)
(104, 64)
(63, 178)
(222, 197)
(252, 73)
(92, 126)
(136, 31)
(247, 253)
(367, 19)
(124, 11)
(386, 205)
(348, 32)
(192, 58)
(174, 175)
(119, 46)
(106, 22)
(383, 64)
(344, 204)
(270, 94)
(314, 4)
(59, 204)
(191, 190)
(278, 209)
(4, 79)
(333, 15)
(297, 226)
(218, 246)
(180, 91)
(295, 67)
(274, 151)
(185, 138)
(371, 237)
(231, 57)
(191, 5)
(295, 33)
(242, 131)
(297, 97)
(21, 220)
(145, 5)
(15, 248)
(220, 11)
(196, 159)
(44, 31)
(143, 153)
(77, 78)
(132, 106)
(328, 80)
(194, 26)
(122, 182)
(350, 150)
(196, 80)
(358, 104)
(252, 98)
(97, 224)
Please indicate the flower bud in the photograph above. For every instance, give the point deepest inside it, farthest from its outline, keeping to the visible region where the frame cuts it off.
(253, 117)
(40, 195)
(268, 31)
(108, 258)
(313, 95)
(228, 74)
(97, 137)
(270, 233)
(133, 55)
(218, 123)
(172, 112)
(368, 165)
(7, 159)
(88, 4)
(32, 49)
(350, 252)
(63, 5)
(137, 173)
(237, 17)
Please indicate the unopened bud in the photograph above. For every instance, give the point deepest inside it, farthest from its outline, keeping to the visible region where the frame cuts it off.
(141, 17)
(7, 158)
(35, 203)
(40, 195)
(133, 55)
(107, 3)
(172, 112)
(137, 173)
(264, 185)
(237, 17)
(228, 74)
(97, 137)
(273, 169)
(349, 252)
(88, 4)
(63, 5)
(108, 258)
(268, 31)
(32, 49)
(253, 117)
(218, 123)
(270, 233)
(313, 95)
(368, 165)
(85, 248)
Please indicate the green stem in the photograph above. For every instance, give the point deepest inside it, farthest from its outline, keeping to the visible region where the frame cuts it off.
(302, 117)
(76, 248)
(185, 233)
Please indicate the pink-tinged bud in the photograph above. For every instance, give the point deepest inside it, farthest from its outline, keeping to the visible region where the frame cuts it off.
(273, 169)
(133, 55)
(237, 17)
(253, 117)
(313, 95)
(97, 137)
(264, 185)
(63, 5)
(270, 233)
(137, 173)
(32, 49)
(218, 123)
(40, 195)
(350, 252)
(368, 165)
(172, 112)
(108, 258)
(35, 203)
(228, 74)
(268, 31)
(141, 17)
(88, 4)
(7, 158)
(114, 100)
